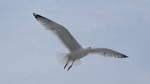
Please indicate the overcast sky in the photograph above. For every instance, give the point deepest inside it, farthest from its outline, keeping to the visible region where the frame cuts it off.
(29, 52)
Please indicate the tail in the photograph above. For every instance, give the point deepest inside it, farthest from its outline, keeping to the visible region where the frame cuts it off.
(62, 58)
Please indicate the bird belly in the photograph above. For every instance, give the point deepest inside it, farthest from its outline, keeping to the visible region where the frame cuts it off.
(78, 55)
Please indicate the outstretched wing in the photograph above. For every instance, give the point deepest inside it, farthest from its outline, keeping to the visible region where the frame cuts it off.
(107, 52)
(63, 34)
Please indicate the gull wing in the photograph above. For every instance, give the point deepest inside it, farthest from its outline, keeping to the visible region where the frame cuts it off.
(107, 52)
(63, 34)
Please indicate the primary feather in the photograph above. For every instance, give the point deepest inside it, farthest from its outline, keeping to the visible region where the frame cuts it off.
(107, 52)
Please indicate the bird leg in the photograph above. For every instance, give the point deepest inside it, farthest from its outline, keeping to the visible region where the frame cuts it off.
(70, 65)
(66, 64)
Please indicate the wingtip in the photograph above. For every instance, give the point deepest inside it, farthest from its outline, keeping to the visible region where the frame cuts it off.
(125, 56)
(36, 15)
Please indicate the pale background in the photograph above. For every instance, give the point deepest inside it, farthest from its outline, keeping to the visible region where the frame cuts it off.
(28, 52)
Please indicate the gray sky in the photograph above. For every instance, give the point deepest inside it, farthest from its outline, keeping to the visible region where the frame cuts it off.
(28, 52)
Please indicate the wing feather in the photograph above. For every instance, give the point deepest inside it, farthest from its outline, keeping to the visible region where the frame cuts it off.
(63, 34)
(108, 52)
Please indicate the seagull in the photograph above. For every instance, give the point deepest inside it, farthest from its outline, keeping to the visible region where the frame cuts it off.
(76, 51)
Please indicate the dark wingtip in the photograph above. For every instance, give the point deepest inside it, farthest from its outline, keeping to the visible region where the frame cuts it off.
(36, 15)
(125, 56)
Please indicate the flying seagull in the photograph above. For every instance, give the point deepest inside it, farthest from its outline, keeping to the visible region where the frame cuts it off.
(76, 50)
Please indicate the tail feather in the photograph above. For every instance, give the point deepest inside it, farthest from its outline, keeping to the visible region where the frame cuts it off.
(62, 58)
